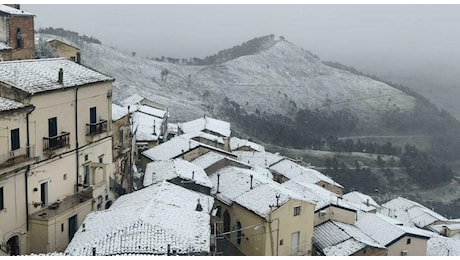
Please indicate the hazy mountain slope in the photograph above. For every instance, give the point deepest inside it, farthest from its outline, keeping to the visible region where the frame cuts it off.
(282, 73)
(276, 80)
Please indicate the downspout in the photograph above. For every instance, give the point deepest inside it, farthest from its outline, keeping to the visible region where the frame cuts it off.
(28, 167)
(272, 247)
(76, 139)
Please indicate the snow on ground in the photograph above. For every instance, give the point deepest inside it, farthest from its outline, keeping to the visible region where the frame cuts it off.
(270, 80)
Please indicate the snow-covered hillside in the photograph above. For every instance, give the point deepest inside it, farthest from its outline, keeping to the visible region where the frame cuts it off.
(277, 79)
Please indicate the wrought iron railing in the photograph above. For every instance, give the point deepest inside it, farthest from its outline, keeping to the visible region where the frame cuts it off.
(96, 128)
(56, 142)
(17, 156)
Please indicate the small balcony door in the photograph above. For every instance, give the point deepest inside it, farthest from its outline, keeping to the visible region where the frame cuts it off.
(72, 226)
(295, 237)
(44, 193)
(15, 144)
(92, 119)
(52, 131)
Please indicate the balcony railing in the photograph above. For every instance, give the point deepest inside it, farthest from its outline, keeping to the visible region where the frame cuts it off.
(56, 142)
(96, 128)
(17, 156)
(54, 209)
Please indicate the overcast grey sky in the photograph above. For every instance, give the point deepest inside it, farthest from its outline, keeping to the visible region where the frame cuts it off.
(384, 39)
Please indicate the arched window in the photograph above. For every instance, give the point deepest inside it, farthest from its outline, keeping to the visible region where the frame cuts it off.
(238, 232)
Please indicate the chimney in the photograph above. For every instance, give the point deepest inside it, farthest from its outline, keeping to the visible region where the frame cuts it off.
(198, 206)
(193, 175)
(83, 225)
(367, 202)
(251, 181)
(94, 251)
(61, 76)
(218, 182)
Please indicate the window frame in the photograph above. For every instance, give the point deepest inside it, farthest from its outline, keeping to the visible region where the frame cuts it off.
(297, 210)
(15, 139)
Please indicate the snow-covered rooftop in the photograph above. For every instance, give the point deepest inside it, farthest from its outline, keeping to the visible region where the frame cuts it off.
(294, 171)
(340, 239)
(170, 149)
(361, 199)
(384, 230)
(410, 212)
(206, 123)
(132, 100)
(167, 170)
(235, 187)
(211, 158)
(146, 222)
(14, 11)
(39, 75)
(176, 146)
(63, 41)
(152, 111)
(262, 159)
(8, 104)
(443, 246)
(321, 197)
(118, 111)
(144, 117)
(144, 124)
(450, 226)
(208, 159)
(210, 137)
(236, 143)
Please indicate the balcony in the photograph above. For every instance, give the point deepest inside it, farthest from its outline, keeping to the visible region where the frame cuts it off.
(51, 144)
(96, 131)
(19, 157)
(71, 202)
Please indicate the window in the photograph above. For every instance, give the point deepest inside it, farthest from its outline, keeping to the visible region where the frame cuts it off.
(219, 209)
(19, 40)
(2, 206)
(297, 211)
(62, 227)
(120, 136)
(44, 193)
(15, 144)
(52, 127)
(408, 241)
(86, 175)
(92, 119)
(239, 233)
(281, 242)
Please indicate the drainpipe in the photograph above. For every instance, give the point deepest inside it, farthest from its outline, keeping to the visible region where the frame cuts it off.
(76, 138)
(28, 167)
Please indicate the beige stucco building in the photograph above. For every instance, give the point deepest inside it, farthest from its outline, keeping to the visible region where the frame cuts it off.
(70, 129)
(65, 50)
(258, 216)
(16, 156)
